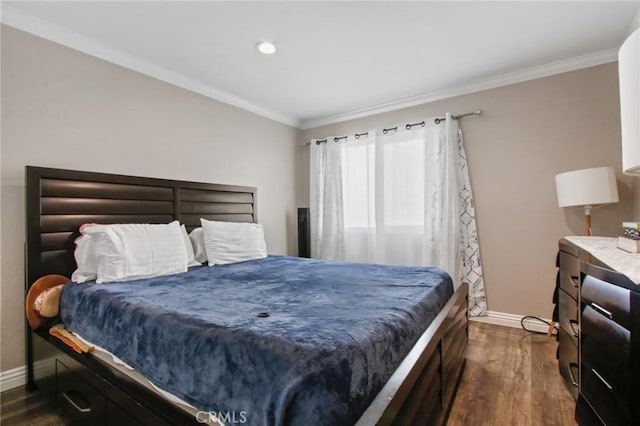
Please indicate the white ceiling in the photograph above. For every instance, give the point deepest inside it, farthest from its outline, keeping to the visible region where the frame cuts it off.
(336, 60)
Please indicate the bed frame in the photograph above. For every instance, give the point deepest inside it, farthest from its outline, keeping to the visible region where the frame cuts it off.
(421, 391)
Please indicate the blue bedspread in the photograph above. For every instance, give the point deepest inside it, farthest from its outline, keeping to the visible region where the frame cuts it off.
(334, 335)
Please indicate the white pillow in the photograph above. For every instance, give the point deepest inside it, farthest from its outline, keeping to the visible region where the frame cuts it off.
(135, 251)
(197, 239)
(191, 261)
(86, 259)
(230, 242)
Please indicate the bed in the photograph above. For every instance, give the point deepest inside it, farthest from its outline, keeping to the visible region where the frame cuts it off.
(417, 389)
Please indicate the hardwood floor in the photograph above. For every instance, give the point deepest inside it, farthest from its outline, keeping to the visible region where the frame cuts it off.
(21, 408)
(511, 378)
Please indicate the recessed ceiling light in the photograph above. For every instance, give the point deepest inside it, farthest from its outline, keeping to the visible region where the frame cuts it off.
(266, 47)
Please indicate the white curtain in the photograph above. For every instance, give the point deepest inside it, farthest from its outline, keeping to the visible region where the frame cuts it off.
(326, 200)
(398, 198)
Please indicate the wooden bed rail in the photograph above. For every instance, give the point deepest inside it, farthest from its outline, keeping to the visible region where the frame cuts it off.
(422, 389)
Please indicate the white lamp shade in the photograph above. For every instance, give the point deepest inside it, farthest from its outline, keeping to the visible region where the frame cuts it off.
(629, 71)
(587, 187)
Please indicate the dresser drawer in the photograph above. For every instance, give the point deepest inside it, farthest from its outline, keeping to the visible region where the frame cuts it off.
(609, 300)
(80, 401)
(609, 407)
(568, 362)
(605, 367)
(569, 274)
(568, 315)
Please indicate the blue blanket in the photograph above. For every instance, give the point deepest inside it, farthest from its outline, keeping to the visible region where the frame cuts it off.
(334, 334)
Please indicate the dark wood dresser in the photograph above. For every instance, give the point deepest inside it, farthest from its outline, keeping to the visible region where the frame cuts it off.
(568, 283)
(599, 334)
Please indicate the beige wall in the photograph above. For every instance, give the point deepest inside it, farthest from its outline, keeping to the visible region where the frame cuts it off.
(529, 132)
(62, 108)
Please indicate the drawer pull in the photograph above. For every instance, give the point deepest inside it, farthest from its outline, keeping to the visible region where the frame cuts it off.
(574, 326)
(604, 382)
(575, 280)
(573, 365)
(74, 404)
(602, 310)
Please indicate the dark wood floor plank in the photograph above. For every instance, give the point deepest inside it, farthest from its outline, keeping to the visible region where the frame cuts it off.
(21, 408)
(511, 378)
(551, 401)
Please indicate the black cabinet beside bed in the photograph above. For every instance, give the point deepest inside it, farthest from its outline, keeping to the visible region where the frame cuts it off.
(92, 390)
(608, 313)
(568, 296)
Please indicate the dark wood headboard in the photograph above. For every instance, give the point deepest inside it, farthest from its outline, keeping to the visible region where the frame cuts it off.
(59, 201)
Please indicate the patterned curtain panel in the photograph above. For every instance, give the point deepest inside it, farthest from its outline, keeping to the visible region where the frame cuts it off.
(469, 251)
(400, 197)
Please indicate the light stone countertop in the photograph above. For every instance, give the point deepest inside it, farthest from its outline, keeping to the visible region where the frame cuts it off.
(606, 249)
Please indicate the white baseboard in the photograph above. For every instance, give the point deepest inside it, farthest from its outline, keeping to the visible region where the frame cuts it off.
(16, 377)
(511, 320)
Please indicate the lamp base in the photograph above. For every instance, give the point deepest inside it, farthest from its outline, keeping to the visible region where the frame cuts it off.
(587, 215)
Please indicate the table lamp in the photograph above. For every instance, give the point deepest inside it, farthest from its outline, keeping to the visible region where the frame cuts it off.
(587, 188)
(629, 69)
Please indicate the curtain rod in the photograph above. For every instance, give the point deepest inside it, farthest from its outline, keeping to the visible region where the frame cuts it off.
(455, 117)
(408, 127)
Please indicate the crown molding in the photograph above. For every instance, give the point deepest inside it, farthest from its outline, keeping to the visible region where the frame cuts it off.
(25, 22)
(558, 67)
(47, 30)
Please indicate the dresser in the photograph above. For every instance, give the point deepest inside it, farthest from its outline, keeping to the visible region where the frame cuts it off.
(599, 329)
(568, 287)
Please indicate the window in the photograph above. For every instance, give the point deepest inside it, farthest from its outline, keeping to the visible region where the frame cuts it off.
(399, 201)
